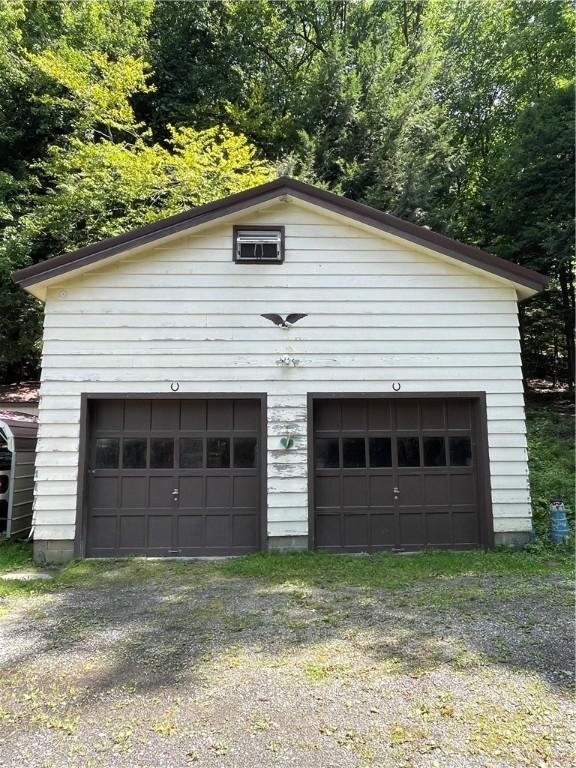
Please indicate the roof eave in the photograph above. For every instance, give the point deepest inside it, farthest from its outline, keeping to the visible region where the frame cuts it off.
(528, 281)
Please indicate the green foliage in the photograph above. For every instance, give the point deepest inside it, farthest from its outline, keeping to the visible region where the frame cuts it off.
(14, 555)
(96, 88)
(104, 188)
(534, 224)
(103, 173)
(455, 115)
(551, 460)
(100, 189)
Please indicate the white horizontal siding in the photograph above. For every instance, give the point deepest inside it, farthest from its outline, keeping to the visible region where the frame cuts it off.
(217, 269)
(370, 301)
(234, 322)
(378, 313)
(208, 347)
(111, 286)
(466, 363)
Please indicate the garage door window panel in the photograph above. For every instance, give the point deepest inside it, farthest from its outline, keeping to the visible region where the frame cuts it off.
(327, 453)
(244, 452)
(161, 453)
(434, 451)
(380, 451)
(460, 451)
(107, 453)
(218, 453)
(134, 453)
(191, 453)
(408, 451)
(354, 452)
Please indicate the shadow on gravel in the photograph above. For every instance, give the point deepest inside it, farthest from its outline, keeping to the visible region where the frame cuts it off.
(161, 632)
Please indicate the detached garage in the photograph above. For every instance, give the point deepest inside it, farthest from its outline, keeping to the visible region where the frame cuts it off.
(280, 369)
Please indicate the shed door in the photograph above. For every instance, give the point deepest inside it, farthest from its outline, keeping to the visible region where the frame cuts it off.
(396, 474)
(173, 477)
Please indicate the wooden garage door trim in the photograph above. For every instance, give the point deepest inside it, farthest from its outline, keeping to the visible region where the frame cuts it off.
(86, 397)
(481, 428)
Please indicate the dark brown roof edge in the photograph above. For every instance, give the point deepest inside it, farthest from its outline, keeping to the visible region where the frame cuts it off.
(7, 401)
(468, 254)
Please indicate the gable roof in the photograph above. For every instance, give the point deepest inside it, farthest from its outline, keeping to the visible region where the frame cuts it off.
(468, 254)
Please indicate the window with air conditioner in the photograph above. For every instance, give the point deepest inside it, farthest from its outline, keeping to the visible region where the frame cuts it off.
(256, 245)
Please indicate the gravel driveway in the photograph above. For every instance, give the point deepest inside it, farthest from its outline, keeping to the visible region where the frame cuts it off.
(189, 666)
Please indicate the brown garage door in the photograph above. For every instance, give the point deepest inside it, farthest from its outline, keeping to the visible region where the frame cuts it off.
(397, 474)
(173, 477)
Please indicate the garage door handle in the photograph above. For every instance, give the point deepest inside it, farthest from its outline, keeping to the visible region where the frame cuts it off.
(396, 492)
(175, 494)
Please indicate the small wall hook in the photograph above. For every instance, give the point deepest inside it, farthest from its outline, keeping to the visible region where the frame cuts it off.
(287, 362)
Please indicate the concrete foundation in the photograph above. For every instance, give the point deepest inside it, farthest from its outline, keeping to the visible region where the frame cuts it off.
(287, 543)
(61, 551)
(57, 551)
(517, 539)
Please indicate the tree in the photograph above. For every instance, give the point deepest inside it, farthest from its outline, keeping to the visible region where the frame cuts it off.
(453, 114)
(105, 176)
(535, 221)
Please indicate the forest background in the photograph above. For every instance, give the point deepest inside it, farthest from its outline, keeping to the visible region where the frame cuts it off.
(457, 115)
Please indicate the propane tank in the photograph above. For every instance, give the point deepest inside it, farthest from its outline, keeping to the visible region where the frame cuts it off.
(559, 528)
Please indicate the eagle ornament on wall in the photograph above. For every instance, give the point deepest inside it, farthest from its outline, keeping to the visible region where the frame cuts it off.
(284, 322)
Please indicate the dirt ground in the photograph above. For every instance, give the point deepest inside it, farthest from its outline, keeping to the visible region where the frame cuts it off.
(190, 666)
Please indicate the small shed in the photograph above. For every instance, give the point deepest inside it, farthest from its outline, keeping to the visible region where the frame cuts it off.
(18, 432)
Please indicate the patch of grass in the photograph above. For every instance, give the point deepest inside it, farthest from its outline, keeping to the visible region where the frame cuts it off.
(299, 573)
(15, 556)
(20, 589)
(525, 735)
(135, 571)
(303, 570)
(166, 726)
(320, 672)
(388, 570)
(551, 460)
